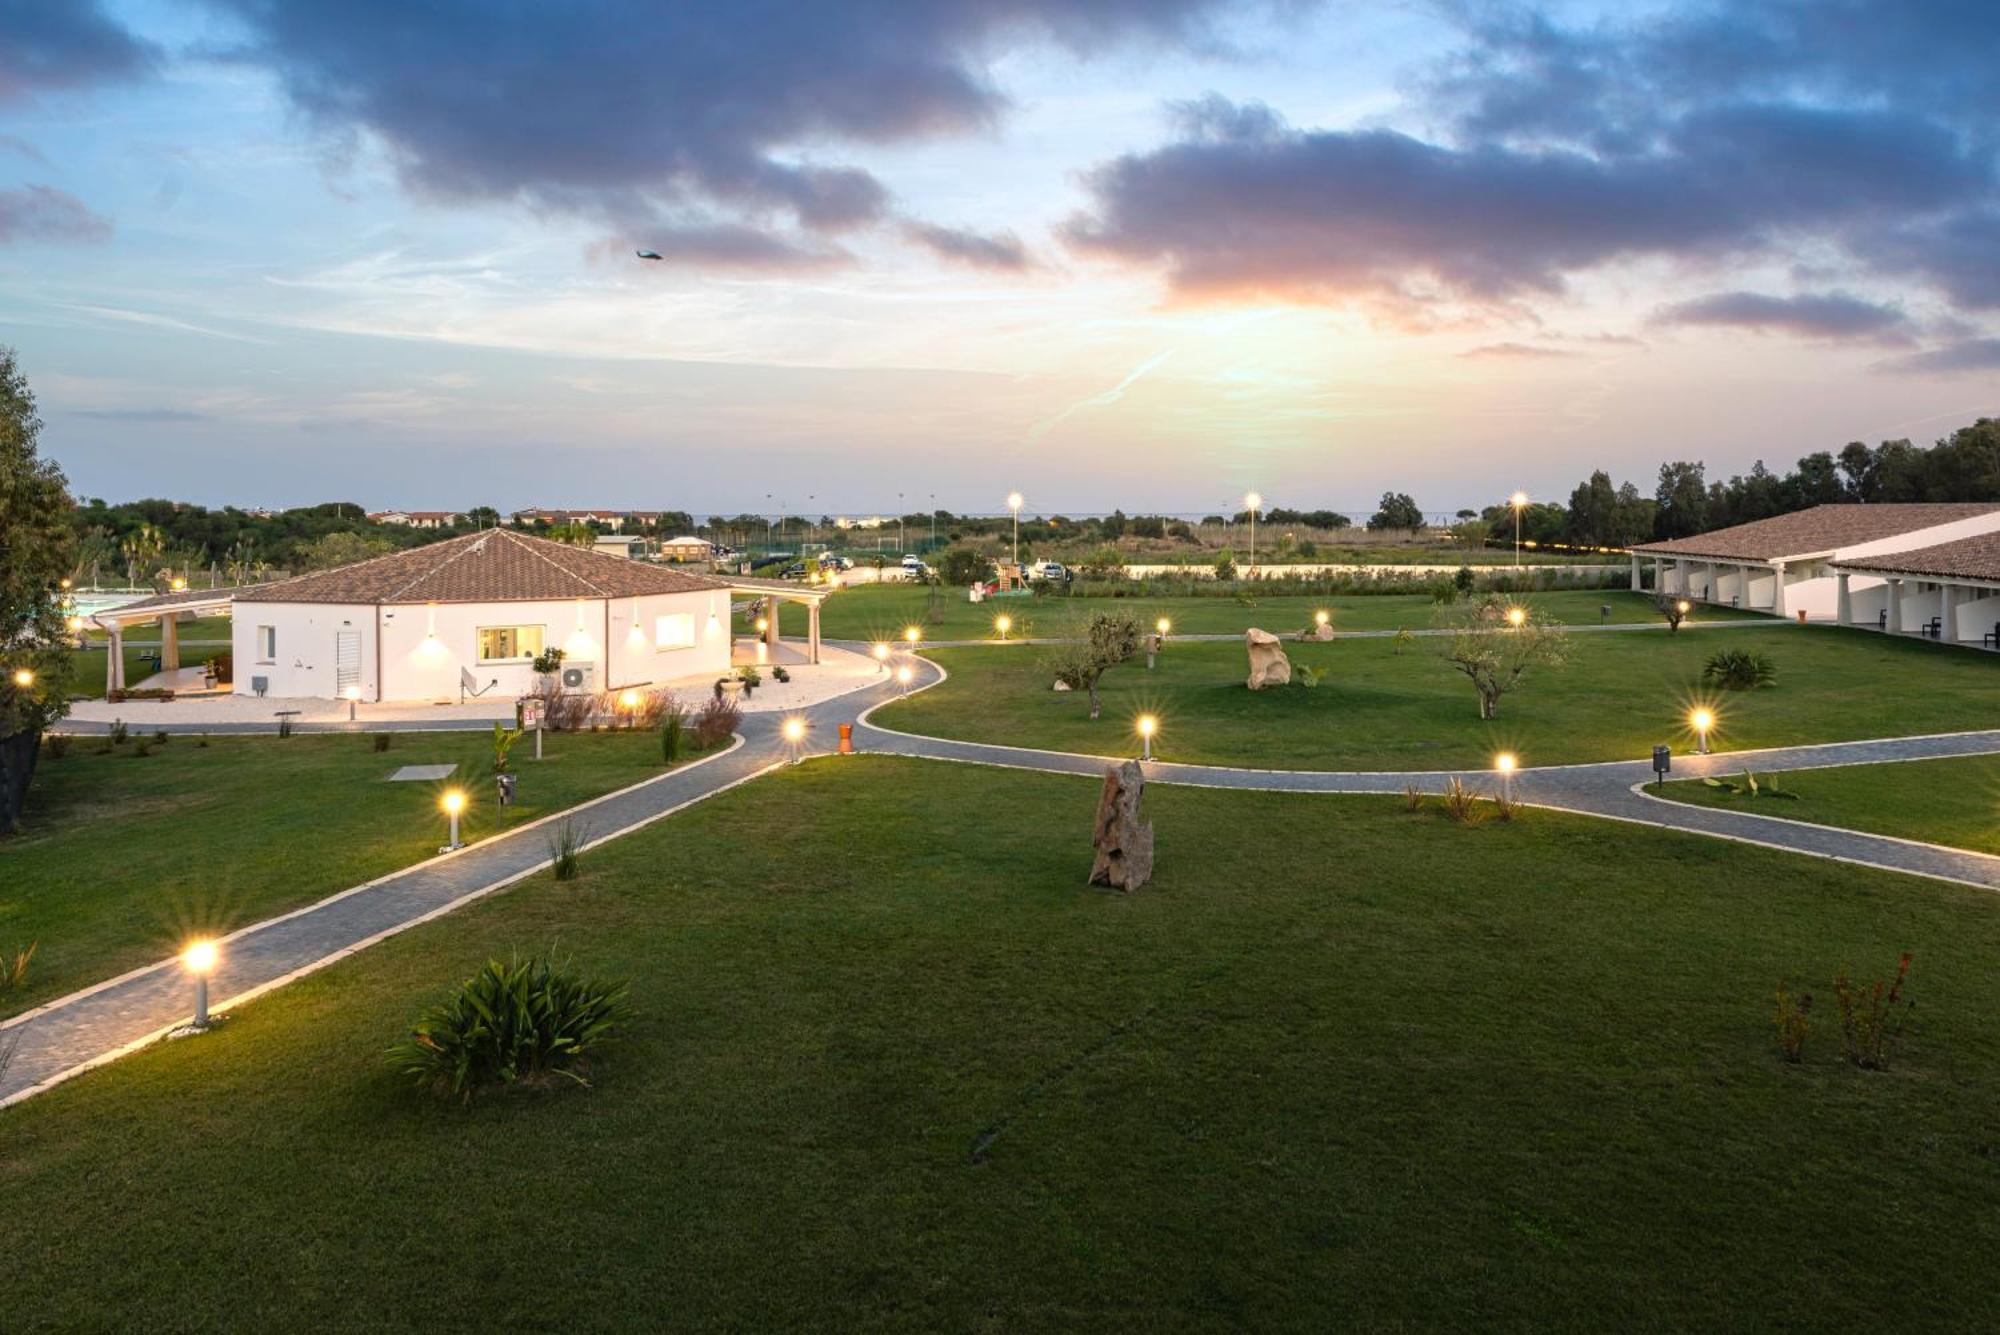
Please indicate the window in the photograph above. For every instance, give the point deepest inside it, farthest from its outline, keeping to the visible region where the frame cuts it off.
(675, 631)
(509, 644)
(267, 644)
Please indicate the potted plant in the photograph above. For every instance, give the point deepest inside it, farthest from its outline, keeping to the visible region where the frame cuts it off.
(546, 665)
(728, 688)
(752, 679)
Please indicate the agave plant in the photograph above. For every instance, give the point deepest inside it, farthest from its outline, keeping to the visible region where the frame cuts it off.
(524, 1022)
(1739, 670)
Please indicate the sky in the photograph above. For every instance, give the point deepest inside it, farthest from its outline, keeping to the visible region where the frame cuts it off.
(1139, 253)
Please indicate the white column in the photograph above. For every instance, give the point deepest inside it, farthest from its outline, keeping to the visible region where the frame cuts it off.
(1680, 577)
(170, 641)
(771, 625)
(1778, 590)
(1948, 613)
(812, 632)
(1843, 602)
(114, 658)
(1635, 572)
(1659, 577)
(1895, 604)
(1709, 592)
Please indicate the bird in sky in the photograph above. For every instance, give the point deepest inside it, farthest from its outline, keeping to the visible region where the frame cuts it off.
(649, 254)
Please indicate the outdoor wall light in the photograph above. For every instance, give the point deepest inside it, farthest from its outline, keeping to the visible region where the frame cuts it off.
(199, 958)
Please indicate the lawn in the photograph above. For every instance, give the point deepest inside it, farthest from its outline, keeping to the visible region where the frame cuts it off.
(1379, 709)
(122, 857)
(1341, 1066)
(1955, 802)
(881, 611)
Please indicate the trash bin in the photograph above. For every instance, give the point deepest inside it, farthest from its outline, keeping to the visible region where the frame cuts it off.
(847, 739)
(506, 783)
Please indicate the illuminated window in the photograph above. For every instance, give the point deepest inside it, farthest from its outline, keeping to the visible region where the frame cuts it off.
(675, 631)
(509, 644)
(267, 644)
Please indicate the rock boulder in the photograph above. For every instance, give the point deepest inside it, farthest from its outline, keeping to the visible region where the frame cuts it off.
(1268, 664)
(1123, 842)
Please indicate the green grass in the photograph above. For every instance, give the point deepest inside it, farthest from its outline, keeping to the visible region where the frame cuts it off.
(881, 611)
(1954, 802)
(1618, 696)
(120, 858)
(1340, 1066)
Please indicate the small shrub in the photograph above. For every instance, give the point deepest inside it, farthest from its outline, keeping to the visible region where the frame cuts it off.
(673, 726)
(1460, 804)
(780, 673)
(160, 737)
(547, 663)
(565, 846)
(1793, 1024)
(504, 741)
(201, 742)
(119, 732)
(1404, 638)
(14, 971)
(716, 723)
(752, 678)
(1505, 808)
(1872, 1018)
(1739, 670)
(521, 1023)
(142, 749)
(1309, 677)
(56, 744)
(1413, 797)
(565, 711)
(380, 741)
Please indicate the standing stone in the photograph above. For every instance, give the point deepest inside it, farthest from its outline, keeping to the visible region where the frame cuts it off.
(1268, 664)
(1124, 844)
(1321, 630)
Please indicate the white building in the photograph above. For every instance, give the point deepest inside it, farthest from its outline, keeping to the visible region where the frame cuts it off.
(1788, 564)
(687, 547)
(1950, 592)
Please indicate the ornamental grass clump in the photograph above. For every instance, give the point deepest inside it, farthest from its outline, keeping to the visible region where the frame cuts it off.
(1872, 1017)
(1793, 1022)
(525, 1023)
(1460, 805)
(565, 845)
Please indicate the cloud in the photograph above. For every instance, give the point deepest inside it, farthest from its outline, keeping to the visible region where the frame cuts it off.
(48, 45)
(1752, 133)
(1832, 315)
(999, 251)
(1518, 351)
(138, 415)
(44, 213)
(692, 123)
(1968, 355)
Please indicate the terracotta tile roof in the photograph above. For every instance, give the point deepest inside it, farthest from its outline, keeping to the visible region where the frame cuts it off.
(497, 565)
(1968, 558)
(161, 602)
(1824, 528)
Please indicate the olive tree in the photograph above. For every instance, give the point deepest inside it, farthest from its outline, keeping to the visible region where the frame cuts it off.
(1674, 609)
(1496, 644)
(37, 538)
(1091, 649)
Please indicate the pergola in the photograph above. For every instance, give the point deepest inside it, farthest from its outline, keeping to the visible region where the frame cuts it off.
(771, 592)
(166, 609)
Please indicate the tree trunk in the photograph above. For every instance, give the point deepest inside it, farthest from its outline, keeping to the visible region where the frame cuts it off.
(1093, 698)
(18, 754)
(1489, 706)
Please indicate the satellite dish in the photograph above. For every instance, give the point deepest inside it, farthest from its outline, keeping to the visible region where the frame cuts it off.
(649, 254)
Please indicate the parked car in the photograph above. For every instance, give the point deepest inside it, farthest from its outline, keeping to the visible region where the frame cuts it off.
(1053, 571)
(914, 567)
(796, 570)
(836, 563)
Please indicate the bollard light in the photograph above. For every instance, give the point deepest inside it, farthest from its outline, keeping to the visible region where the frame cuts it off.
(1147, 725)
(353, 697)
(911, 634)
(1003, 623)
(1505, 763)
(1164, 626)
(1701, 720)
(1517, 617)
(453, 803)
(199, 959)
(763, 624)
(794, 732)
(1683, 606)
(74, 623)
(629, 702)
(1322, 617)
(903, 677)
(881, 652)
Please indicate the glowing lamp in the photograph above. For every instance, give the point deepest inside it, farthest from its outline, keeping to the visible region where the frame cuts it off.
(453, 802)
(74, 623)
(1003, 624)
(794, 730)
(1014, 500)
(1516, 617)
(904, 677)
(179, 584)
(1682, 606)
(1701, 720)
(1518, 499)
(911, 634)
(1147, 725)
(629, 699)
(763, 624)
(1322, 617)
(1504, 762)
(24, 678)
(1163, 625)
(199, 957)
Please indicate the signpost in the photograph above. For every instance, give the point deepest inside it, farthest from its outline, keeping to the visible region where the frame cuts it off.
(531, 717)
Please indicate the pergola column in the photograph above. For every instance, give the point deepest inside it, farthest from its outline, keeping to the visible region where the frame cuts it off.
(1843, 601)
(1659, 577)
(1680, 577)
(1778, 588)
(1635, 572)
(1895, 605)
(1948, 613)
(170, 641)
(812, 631)
(114, 659)
(771, 623)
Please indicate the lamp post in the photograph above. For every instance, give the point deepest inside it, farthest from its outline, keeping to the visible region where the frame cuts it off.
(1701, 720)
(1518, 500)
(453, 803)
(1147, 726)
(900, 507)
(1504, 763)
(1253, 503)
(1014, 504)
(199, 960)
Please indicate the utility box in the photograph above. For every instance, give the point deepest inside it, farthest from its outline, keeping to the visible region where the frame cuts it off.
(505, 783)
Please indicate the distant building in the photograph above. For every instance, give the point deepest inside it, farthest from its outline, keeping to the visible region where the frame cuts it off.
(417, 518)
(617, 544)
(615, 520)
(687, 548)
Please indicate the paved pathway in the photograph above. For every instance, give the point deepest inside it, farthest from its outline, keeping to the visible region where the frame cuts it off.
(97, 1025)
(1236, 637)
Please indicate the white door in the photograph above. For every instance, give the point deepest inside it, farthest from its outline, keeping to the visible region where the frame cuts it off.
(346, 661)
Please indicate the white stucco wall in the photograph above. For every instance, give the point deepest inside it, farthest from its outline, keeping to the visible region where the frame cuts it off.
(423, 646)
(1978, 618)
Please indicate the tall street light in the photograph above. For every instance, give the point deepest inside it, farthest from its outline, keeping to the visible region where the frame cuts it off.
(1518, 500)
(1253, 503)
(1014, 504)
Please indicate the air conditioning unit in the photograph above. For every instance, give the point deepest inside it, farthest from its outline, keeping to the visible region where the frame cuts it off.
(579, 677)
(260, 684)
